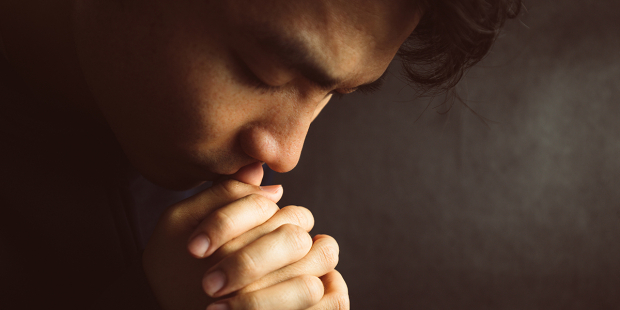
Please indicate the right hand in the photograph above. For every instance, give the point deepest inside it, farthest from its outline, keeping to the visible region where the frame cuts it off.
(250, 240)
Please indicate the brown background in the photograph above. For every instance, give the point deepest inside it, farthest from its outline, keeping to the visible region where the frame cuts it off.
(447, 213)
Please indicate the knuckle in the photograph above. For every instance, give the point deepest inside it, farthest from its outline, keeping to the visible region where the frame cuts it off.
(329, 254)
(228, 189)
(312, 288)
(340, 302)
(297, 237)
(262, 204)
(220, 223)
(246, 265)
(300, 216)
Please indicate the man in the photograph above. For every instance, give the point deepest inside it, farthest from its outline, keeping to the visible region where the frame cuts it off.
(97, 94)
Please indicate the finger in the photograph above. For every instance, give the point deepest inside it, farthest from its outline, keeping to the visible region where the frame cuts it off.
(297, 293)
(322, 258)
(336, 295)
(251, 174)
(295, 215)
(199, 209)
(204, 241)
(283, 246)
(229, 222)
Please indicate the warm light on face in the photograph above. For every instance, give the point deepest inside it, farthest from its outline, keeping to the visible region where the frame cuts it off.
(196, 89)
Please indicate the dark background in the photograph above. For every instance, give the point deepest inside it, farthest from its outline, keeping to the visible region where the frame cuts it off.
(448, 213)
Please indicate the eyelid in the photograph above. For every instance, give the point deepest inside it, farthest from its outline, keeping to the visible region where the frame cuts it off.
(339, 93)
(259, 84)
(374, 86)
(364, 89)
(252, 79)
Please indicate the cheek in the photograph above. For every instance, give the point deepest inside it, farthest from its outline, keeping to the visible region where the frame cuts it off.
(162, 85)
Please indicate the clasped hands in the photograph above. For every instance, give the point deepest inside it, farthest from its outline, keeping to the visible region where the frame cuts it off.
(231, 247)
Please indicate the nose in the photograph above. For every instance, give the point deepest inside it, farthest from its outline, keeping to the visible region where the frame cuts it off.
(278, 138)
(278, 146)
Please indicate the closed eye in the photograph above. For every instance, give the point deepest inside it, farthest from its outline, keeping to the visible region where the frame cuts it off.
(372, 87)
(248, 77)
(364, 89)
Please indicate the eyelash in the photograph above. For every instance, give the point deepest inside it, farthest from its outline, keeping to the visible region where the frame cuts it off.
(371, 88)
(364, 89)
(257, 83)
(339, 94)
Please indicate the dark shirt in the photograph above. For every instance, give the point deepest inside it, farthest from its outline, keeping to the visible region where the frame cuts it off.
(70, 236)
(75, 214)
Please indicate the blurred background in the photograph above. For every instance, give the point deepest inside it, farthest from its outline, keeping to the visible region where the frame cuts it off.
(438, 210)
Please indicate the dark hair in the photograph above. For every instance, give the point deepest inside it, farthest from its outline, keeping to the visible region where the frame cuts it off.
(452, 36)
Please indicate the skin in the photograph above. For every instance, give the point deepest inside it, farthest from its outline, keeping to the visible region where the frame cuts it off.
(199, 116)
(192, 95)
(195, 116)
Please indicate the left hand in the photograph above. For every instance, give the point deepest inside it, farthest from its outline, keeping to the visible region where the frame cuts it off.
(295, 286)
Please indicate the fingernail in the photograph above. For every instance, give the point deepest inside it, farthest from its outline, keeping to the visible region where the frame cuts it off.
(218, 306)
(271, 188)
(199, 245)
(213, 282)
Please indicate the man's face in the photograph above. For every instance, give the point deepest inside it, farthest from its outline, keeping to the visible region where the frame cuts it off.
(195, 89)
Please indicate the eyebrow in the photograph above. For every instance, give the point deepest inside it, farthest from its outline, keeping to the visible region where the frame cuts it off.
(295, 53)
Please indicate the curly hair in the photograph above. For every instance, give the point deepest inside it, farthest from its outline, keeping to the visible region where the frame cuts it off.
(452, 36)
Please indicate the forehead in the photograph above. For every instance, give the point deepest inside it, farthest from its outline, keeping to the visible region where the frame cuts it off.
(354, 38)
